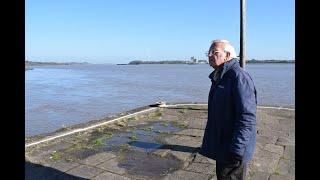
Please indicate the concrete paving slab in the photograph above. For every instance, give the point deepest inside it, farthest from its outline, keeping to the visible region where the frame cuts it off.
(110, 176)
(112, 166)
(286, 167)
(209, 169)
(85, 171)
(186, 175)
(97, 158)
(289, 152)
(257, 175)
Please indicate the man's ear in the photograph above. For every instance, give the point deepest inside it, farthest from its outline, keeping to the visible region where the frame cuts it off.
(228, 55)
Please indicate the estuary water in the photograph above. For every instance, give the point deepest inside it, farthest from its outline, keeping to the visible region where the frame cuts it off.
(59, 96)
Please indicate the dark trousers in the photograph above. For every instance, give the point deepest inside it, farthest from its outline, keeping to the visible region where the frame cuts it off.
(231, 171)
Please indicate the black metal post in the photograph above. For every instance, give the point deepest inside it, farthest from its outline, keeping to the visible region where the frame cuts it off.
(242, 33)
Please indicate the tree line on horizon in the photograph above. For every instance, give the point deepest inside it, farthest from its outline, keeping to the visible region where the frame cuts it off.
(34, 63)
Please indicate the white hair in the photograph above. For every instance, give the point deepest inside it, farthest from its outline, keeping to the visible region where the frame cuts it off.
(227, 47)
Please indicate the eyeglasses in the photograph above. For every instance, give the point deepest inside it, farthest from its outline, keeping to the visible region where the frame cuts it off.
(210, 53)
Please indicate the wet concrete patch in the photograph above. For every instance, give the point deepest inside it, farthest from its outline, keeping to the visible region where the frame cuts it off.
(144, 138)
(166, 127)
(145, 146)
(152, 166)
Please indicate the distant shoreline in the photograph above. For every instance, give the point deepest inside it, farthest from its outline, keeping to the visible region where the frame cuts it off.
(137, 62)
(30, 64)
(270, 61)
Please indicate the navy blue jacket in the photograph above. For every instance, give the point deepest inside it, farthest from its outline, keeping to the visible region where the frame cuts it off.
(231, 125)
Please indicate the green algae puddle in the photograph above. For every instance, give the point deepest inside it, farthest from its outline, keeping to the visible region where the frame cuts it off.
(145, 138)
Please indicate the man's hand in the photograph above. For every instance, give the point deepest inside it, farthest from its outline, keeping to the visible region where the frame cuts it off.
(235, 158)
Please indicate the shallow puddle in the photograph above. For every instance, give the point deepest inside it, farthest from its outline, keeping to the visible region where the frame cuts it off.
(144, 138)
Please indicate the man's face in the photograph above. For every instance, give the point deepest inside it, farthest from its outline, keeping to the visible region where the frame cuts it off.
(217, 55)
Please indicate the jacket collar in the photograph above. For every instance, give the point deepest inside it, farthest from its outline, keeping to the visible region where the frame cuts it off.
(224, 68)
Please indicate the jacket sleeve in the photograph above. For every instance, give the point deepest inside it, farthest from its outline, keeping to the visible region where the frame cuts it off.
(245, 117)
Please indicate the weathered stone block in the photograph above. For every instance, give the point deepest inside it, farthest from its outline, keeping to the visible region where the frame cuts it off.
(190, 141)
(274, 148)
(173, 140)
(110, 176)
(85, 171)
(285, 141)
(64, 166)
(97, 158)
(266, 139)
(257, 175)
(196, 124)
(209, 169)
(112, 166)
(186, 175)
(289, 152)
(280, 177)
(265, 161)
(202, 159)
(286, 167)
(183, 156)
(161, 152)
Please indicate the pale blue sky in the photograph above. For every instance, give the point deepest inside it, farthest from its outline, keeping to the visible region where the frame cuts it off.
(120, 31)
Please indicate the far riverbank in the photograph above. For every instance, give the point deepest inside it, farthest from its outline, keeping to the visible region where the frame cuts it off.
(29, 65)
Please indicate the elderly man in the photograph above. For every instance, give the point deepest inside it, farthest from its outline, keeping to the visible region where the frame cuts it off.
(230, 134)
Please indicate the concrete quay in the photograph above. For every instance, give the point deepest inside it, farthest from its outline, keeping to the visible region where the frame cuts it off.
(158, 143)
